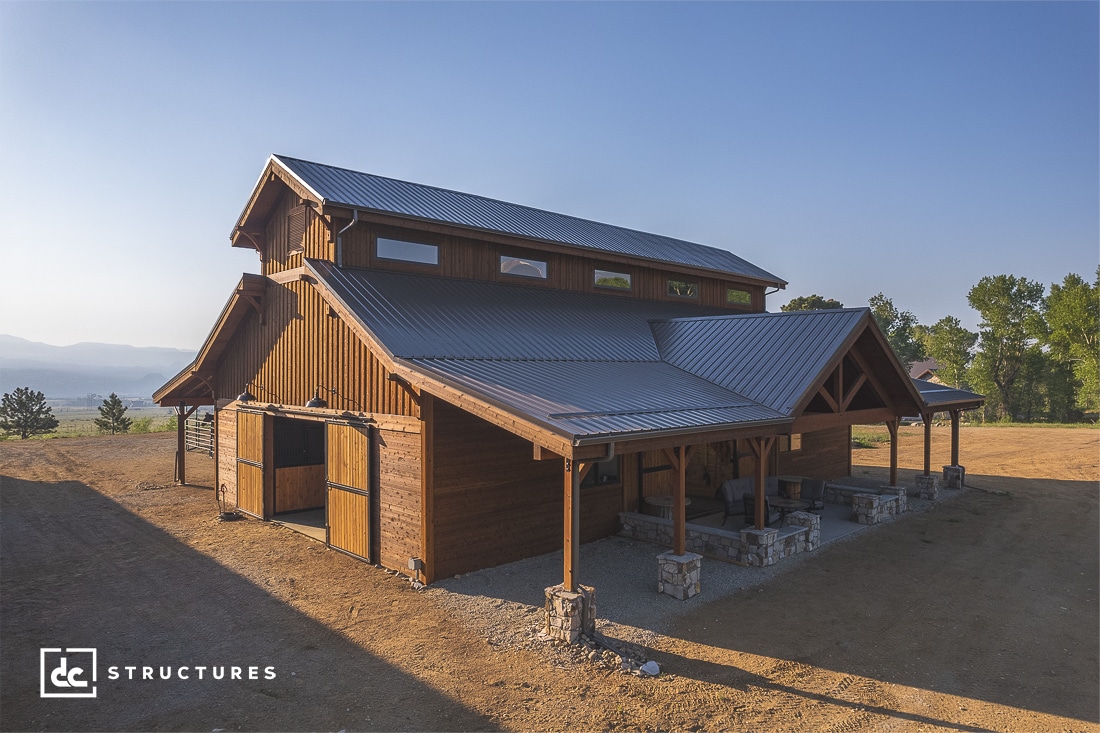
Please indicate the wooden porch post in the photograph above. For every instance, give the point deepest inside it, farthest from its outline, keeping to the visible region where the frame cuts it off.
(679, 512)
(926, 417)
(955, 437)
(892, 426)
(761, 448)
(182, 413)
(571, 546)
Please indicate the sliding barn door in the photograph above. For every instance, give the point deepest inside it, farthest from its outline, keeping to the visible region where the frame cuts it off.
(348, 478)
(250, 463)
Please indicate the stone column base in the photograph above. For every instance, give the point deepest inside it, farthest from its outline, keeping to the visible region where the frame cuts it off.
(954, 477)
(903, 497)
(810, 521)
(928, 487)
(678, 575)
(758, 546)
(569, 614)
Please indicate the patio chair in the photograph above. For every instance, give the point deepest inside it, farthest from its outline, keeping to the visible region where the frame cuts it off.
(813, 491)
(732, 491)
(749, 501)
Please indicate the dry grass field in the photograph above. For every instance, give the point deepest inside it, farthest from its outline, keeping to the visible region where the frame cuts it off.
(979, 614)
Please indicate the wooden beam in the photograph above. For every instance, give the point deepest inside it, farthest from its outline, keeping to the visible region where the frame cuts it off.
(853, 392)
(813, 422)
(571, 544)
(761, 448)
(679, 512)
(955, 437)
(542, 454)
(892, 426)
(427, 487)
(828, 398)
(927, 418)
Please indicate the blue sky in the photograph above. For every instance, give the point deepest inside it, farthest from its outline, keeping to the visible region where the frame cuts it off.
(848, 147)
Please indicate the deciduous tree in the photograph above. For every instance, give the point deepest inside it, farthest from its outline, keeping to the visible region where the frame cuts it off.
(1011, 328)
(112, 417)
(25, 412)
(811, 303)
(950, 345)
(1073, 315)
(898, 327)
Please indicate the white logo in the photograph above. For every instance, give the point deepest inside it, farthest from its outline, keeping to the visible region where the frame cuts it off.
(67, 672)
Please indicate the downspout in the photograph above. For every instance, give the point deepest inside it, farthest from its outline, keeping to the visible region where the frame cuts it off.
(340, 237)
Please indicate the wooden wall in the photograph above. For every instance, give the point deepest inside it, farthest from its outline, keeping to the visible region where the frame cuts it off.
(825, 454)
(299, 487)
(398, 480)
(226, 466)
(492, 503)
(474, 259)
(299, 347)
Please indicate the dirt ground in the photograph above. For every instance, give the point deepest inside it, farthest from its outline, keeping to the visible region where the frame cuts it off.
(980, 614)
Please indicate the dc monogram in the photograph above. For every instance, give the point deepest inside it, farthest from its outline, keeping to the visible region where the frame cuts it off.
(67, 672)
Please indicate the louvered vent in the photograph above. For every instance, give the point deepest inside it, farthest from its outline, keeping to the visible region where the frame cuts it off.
(297, 221)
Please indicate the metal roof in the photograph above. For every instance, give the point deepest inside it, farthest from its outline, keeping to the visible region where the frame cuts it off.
(594, 367)
(353, 189)
(772, 358)
(416, 316)
(935, 394)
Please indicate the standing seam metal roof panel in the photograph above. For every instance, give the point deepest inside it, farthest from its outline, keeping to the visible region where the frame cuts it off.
(771, 358)
(366, 191)
(418, 316)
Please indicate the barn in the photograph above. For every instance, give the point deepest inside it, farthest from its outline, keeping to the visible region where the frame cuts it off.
(441, 379)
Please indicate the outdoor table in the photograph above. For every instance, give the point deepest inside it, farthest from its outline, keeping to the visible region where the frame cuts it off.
(663, 504)
(786, 506)
(791, 486)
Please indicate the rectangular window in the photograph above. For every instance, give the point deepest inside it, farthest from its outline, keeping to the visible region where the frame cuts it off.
(604, 473)
(396, 249)
(738, 297)
(683, 289)
(522, 267)
(613, 280)
(789, 443)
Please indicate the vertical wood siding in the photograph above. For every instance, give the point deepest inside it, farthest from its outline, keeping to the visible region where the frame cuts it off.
(250, 436)
(250, 489)
(398, 465)
(299, 487)
(301, 347)
(824, 455)
(227, 453)
(348, 520)
(492, 502)
(471, 259)
(347, 449)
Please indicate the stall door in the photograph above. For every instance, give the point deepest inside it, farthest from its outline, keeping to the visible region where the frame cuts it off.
(250, 463)
(348, 480)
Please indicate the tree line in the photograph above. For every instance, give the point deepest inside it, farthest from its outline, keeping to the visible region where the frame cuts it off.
(1035, 355)
(24, 412)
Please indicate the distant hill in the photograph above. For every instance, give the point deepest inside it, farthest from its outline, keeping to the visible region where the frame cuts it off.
(80, 369)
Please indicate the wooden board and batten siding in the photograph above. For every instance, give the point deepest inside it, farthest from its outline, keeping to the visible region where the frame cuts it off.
(226, 469)
(250, 463)
(348, 478)
(298, 488)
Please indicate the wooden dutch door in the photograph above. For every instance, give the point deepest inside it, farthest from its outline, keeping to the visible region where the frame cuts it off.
(250, 463)
(348, 487)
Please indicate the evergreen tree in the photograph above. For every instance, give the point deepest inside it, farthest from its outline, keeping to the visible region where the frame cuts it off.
(112, 417)
(25, 412)
(811, 303)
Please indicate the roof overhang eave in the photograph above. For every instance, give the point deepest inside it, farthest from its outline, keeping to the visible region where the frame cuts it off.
(748, 426)
(273, 165)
